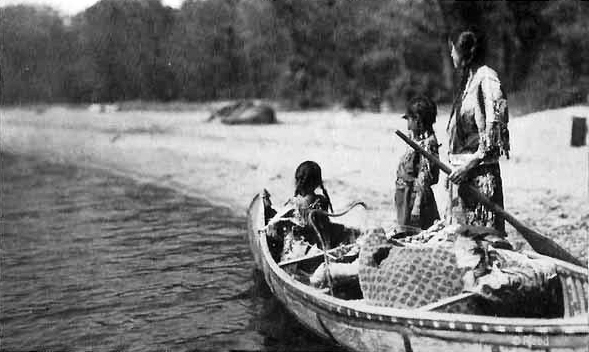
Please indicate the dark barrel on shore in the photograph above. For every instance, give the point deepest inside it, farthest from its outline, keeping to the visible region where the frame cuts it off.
(579, 131)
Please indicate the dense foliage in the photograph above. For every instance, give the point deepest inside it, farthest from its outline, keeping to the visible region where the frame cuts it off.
(307, 52)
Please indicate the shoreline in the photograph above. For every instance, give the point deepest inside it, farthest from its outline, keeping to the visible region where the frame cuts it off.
(546, 182)
(137, 177)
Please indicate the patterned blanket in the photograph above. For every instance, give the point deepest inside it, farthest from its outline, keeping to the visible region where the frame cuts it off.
(446, 262)
(407, 276)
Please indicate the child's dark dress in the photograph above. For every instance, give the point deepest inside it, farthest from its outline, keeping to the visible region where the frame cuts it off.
(415, 175)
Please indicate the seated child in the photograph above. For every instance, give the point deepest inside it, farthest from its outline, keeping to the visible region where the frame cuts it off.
(414, 198)
(301, 237)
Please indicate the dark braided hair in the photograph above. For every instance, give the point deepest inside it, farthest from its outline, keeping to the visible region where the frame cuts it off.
(471, 49)
(307, 178)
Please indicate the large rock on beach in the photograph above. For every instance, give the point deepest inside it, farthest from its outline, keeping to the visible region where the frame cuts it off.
(245, 112)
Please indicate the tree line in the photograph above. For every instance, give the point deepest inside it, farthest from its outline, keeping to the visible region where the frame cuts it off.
(308, 53)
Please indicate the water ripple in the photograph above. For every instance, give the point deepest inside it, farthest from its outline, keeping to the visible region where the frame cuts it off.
(91, 261)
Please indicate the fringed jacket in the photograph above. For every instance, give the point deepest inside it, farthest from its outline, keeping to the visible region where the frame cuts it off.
(479, 126)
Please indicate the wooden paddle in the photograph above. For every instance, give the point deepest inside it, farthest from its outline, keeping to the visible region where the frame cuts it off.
(539, 242)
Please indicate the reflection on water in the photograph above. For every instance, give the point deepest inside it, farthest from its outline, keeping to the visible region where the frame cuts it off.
(90, 261)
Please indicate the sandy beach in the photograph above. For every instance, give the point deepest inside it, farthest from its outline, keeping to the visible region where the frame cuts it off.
(546, 180)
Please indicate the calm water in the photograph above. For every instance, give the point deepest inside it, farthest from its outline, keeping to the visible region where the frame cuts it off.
(92, 261)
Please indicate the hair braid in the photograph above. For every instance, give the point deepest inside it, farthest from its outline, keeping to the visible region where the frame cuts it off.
(330, 207)
(457, 104)
(469, 46)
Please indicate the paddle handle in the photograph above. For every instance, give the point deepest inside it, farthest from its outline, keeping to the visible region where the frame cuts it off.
(424, 152)
(537, 241)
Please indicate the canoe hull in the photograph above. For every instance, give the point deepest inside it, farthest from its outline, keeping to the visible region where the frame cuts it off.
(360, 327)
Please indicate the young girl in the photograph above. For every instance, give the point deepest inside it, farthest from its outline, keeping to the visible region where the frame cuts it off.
(299, 240)
(414, 198)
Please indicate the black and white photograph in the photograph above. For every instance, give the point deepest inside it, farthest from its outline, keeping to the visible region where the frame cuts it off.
(294, 175)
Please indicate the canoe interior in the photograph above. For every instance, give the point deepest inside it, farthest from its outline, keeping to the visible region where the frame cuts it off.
(551, 303)
(566, 295)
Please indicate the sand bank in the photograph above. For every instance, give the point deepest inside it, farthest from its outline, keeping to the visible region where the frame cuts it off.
(546, 181)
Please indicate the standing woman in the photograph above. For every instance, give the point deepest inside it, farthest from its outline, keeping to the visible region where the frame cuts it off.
(478, 135)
